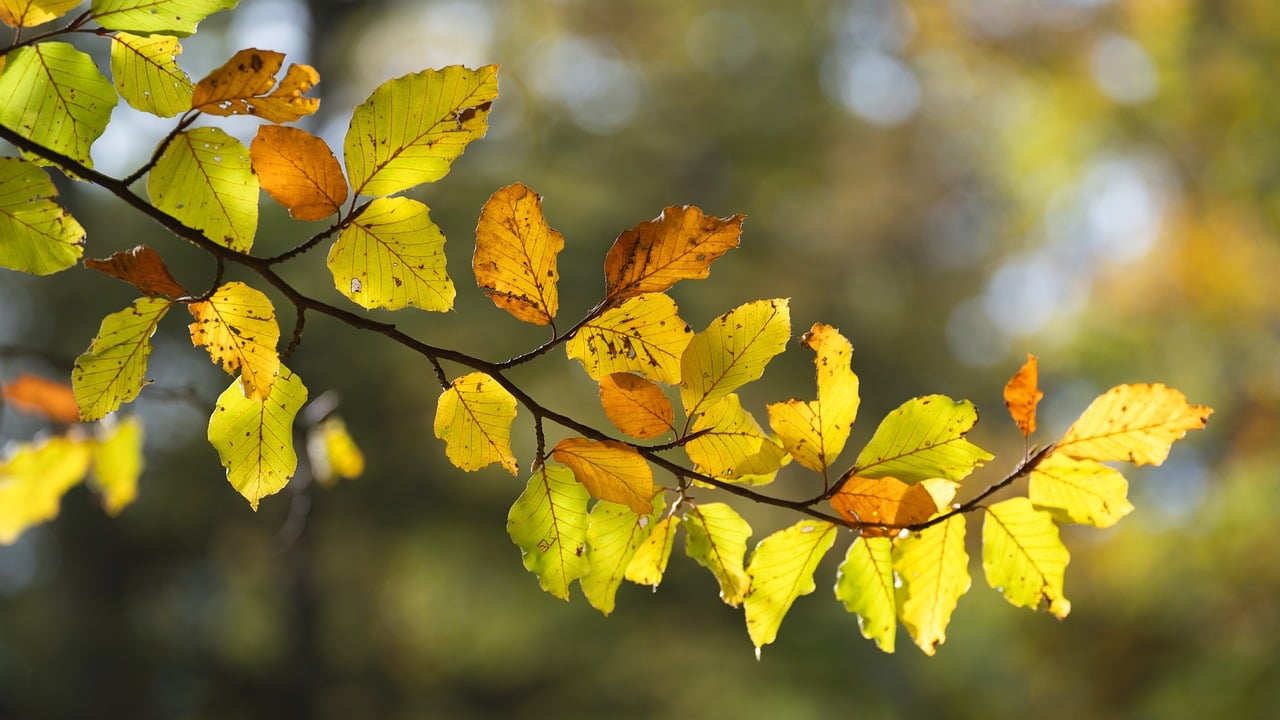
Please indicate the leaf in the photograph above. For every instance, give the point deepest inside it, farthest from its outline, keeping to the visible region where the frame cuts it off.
(205, 180)
(610, 470)
(46, 398)
(55, 96)
(515, 256)
(1023, 557)
(923, 439)
(1022, 394)
(30, 13)
(1079, 491)
(644, 335)
(164, 17)
(117, 464)
(883, 501)
(649, 563)
(412, 128)
(636, 406)
(142, 268)
(548, 522)
(40, 237)
(474, 418)
(679, 244)
(781, 570)
(732, 351)
(237, 325)
(334, 455)
(864, 583)
(299, 171)
(1138, 423)
(254, 438)
(815, 432)
(146, 73)
(33, 479)
(716, 537)
(614, 532)
(934, 569)
(110, 372)
(392, 256)
(730, 445)
(243, 86)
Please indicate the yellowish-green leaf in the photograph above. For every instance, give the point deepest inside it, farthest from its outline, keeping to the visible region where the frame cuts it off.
(732, 351)
(30, 13)
(39, 236)
(474, 418)
(716, 536)
(1137, 423)
(815, 432)
(237, 325)
(33, 479)
(110, 372)
(614, 533)
(244, 85)
(730, 444)
(1023, 557)
(934, 569)
(146, 73)
(679, 244)
(923, 439)
(299, 171)
(649, 563)
(55, 96)
(548, 522)
(610, 470)
(117, 463)
(392, 256)
(254, 438)
(1079, 491)
(781, 570)
(150, 17)
(333, 453)
(412, 128)
(636, 406)
(205, 179)
(515, 256)
(864, 583)
(644, 335)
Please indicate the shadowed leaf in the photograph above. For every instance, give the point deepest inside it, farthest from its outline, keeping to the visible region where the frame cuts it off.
(142, 268)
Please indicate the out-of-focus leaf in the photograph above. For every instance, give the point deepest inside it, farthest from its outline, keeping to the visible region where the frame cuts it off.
(333, 453)
(610, 471)
(934, 569)
(716, 537)
(237, 325)
(39, 236)
(110, 372)
(38, 396)
(55, 95)
(515, 256)
(679, 244)
(254, 438)
(644, 335)
(474, 418)
(244, 86)
(392, 256)
(732, 351)
(864, 583)
(1023, 557)
(730, 445)
(33, 479)
(883, 501)
(649, 563)
(30, 13)
(636, 406)
(205, 179)
(299, 171)
(1138, 423)
(1022, 394)
(548, 522)
(163, 17)
(142, 268)
(781, 570)
(614, 532)
(146, 73)
(1079, 491)
(117, 464)
(922, 439)
(815, 432)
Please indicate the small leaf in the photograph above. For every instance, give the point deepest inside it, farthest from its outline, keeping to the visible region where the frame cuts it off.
(299, 171)
(163, 17)
(117, 463)
(142, 268)
(515, 256)
(237, 325)
(1023, 557)
(934, 569)
(610, 470)
(334, 455)
(883, 501)
(923, 439)
(254, 438)
(614, 532)
(732, 351)
(636, 406)
(392, 257)
(679, 244)
(548, 522)
(204, 179)
(781, 570)
(1079, 491)
(1138, 423)
(33, 479)
(55, 96)
(649, 563)
(1022, 394)
(716, 537)
(243, 86)
(146, 73)
(815, 432)
(474, 418)
(644, 335)
(110, 372)
(864, 583)
(30, 13)
(46, 398)
(40, 237)
(730, 445)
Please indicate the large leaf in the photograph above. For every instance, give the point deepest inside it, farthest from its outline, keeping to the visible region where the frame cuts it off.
(205, 179)
(781, 570)
(146, 73)
(142, 268)
(412, 128)
(1022, 394)
(636, 406)
(1079, 491)
(164, 17)
(30, 13)
(474, 418)
(610, 470)
(681, 243)
(1137, 423)
(246, 85)
(515, 256)
(864, 583)
(33, 479)
(237, 325)
(614, 533)
(299, 170)
(923, 439)
(55, 95)
(730, 445)
(1023, 557)
(110, 372)
(732, 351)
(254, 438)
(392, 256)
(643, 335)
(815, 432)
(649, 563)
(883, 501)
(715, 535)
(36, 235)
(934, 569)
(548, 522)
(117, 463)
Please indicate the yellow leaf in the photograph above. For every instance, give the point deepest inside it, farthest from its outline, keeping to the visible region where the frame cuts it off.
(142, 268)
(117, 463)
(864, 583)
(548, 522)
(883, 501)
(33, 479)
(1023, 557)
(730, 445)
(1137, 423)
(716, 537)
(146, 73)
(254, 438)
(1022, 394)
(614, 533)
(781, 570)
(934, 569)
(204, 178)
(815, 432)
(299, 171)
(110, 372)
(636, 406)
(923, 439)
(243, 86)
(515, 256)
(1079, 491)
(649, 563)
(681, 243)
(38, 396)
(392, 256)
(610, 471)
(333, 453)
(474, 418)
(237, 325)
(30, 13)
(149, 17)
(39, 236)
(54, 95)
(732, 351)
(644, 335)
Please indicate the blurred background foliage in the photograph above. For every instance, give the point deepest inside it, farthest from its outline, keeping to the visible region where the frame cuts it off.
(952, 184)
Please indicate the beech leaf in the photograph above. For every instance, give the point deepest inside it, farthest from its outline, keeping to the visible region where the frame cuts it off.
(37, 396)
(40, 237)
(237, 325)
(333, 453)
(1079, 491)
(1022, 394)
(164, 17)
(732, 351)
(1138, 423)
(923, 439)
(55, 96)
(142, 268)
(679, 244)
(781, 570)
(515, 255)
(934, 569)
(254, 438)
(30, 13)
(864, 583)
(299, 171)
(1023, 557)
(110, 372)
(636, 406)
(815, 432)
(610, 471)
(117, 464)
(474, 418)
(729, 444)
(244, 85)
(205, 179)
(392, 257)
(146, 73)
(883, 501)
(614, 533)
(649, 563)
(644, 335)
(548, 522)
(716, 537)
(33, 479)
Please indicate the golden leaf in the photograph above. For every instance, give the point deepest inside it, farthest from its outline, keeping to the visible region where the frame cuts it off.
(1137, 423)
(1022, 394)
(610, 471)
(636, 406)
(679, 244)
(515, 255)
(237, 325)
(883, 501)
(299, 171)
(243, 86)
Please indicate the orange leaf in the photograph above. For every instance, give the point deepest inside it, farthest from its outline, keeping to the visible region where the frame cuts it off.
(636, 406)
(883, 501)
(299, 170)
(1022, 394)
(679, 244)
(610, 471)
(142, 268)
(515, 257)
(38, 396)
(243, 86)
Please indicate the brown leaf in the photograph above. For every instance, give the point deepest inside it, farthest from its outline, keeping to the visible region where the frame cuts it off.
(38, 396)
(1022, 394)
(515, 256)
(142, 268)
(883, 501)
(243, 86)
(299, 170)
(679, 244)
(636, 406)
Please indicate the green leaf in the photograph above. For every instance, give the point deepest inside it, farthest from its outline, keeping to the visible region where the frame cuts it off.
(474, 418)
(36, 235)
(864, 583)
(934, 569)
(781, 570)
(117, 463)
(730, 445)
(649, 563)
(31, 13)
(204, 179)
(254, 438)
(923, 439)
(146, 73)
(412, 128)
(33, 480)
(548, 522)
(815, 432)
(614, 532)
(1023, 556)
(110, 372)
(392, 256)
(644, 335)
(716, 536)
(55, 96)
(1079, 491)
(732, 351)
(148, 17)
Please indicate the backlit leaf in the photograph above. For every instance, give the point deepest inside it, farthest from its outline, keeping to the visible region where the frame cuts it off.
(412, 128)
(1137, 423)
(864, 583)
(474, 418)
(732, 351)
(730, 445)
(164, 17)
(815, 432)
(681, 243)
(515, 256)
(548, 522)
(334, 455)
(1022, 394)
(1079, 491)
(142, 268)
(1023, 557)
(299, 171)
(649, 563)
(33, 479)
(644, 335)
(934, 569)
(610, 470)
(883, 501)
(716, 536)
(244, 86)
(39, 236)
(55, 95)
(636, 406)
(110, 372)
(922, 439)
(30, 13)
(254, 438)
(38, 396)
(146, 73)
(204, 178)
(614, 532)
(237, 325)
(117, 464)
(781, 570)
(392, 256)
